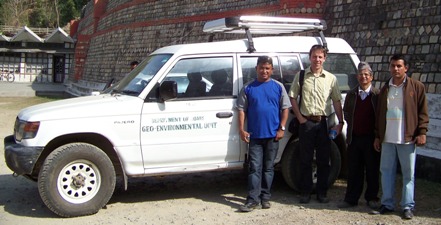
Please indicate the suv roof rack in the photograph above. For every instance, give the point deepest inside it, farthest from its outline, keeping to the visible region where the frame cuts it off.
(264, 25)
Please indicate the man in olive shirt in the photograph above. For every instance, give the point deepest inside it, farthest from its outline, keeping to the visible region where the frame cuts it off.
(319, 89)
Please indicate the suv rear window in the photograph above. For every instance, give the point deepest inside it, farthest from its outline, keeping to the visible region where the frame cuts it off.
(341, 65)
(287, 66)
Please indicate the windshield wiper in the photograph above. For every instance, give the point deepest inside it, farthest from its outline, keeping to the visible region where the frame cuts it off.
(114, 92)
(130, 92)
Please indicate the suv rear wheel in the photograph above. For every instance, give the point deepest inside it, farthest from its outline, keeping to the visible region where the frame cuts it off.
(291, 165)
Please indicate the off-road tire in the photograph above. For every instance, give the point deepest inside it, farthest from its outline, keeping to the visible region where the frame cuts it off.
(291, 170)
(81, 161)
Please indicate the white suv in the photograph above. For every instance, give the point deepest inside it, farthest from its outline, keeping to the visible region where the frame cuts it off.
(175, 113)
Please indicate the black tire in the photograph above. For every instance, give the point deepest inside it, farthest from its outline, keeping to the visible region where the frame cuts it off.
(76, 179)
(291, 170)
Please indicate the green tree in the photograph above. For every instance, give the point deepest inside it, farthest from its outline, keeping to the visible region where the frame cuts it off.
(43, 15)
(68, 11)
(16, 12)
(40, 13)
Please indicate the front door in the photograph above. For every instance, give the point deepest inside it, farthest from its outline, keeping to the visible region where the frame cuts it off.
(198, 130)
(58, 69)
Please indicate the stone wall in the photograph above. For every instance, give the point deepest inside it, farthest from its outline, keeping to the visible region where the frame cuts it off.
(112, 33)
(377, 29)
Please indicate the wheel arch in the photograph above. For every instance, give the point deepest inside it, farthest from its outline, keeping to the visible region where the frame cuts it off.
(287, 164)
(91, 138)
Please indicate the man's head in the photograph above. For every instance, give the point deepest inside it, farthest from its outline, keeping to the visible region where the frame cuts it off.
(133, 64)
(364, 75)
(317, 56)
(398, 67)
(264, 68)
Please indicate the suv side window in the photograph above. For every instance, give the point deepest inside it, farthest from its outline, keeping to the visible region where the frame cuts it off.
(248, 65)
(290, 66)
(201, 77)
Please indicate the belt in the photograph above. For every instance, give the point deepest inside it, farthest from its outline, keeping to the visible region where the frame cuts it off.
(315, 118)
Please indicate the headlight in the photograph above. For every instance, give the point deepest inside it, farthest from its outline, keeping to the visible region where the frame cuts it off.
(25, 129)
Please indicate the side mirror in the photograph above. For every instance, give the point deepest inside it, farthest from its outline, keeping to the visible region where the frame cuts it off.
(168, 90)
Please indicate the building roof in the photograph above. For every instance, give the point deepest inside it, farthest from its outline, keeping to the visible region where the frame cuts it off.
(4, 38)
(58, 36)
(25, 34)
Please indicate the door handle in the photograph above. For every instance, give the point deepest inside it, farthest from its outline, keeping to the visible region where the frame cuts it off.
(224, 114)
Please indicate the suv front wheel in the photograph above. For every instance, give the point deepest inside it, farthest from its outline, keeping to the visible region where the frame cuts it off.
(76, 179)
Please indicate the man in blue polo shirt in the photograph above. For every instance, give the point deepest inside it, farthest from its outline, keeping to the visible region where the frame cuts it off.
(265, 104)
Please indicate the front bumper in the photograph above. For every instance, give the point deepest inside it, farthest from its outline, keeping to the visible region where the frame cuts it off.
(20, 159)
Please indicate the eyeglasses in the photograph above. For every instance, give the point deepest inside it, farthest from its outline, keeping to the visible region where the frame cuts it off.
(364, 74)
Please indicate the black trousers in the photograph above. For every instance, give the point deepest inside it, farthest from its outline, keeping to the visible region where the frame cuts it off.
(313, 136)
(363, 161)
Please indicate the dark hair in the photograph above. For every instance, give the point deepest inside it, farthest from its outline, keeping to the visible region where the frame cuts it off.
(264, 59)
(318, 47)
(398, 57)
(134, 63)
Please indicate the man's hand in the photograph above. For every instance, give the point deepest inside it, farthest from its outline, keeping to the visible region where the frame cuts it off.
(279, 134)
(302, 120)
(245, 136)
(377, 144)
(339, 128)
(420, 140)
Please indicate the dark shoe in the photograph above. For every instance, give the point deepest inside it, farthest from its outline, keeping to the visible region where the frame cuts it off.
(305, 198)
(248, 207)
(407, 214)
(322, 199)
(382, 210)
(373, 204)
(345, 205)
(266, 205)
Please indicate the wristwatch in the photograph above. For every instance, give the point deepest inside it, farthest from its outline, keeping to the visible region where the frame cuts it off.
(282, 128)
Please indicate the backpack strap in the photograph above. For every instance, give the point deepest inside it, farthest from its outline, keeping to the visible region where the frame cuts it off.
(301, 79)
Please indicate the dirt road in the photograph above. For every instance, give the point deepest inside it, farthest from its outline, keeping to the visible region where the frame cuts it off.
(203, 198)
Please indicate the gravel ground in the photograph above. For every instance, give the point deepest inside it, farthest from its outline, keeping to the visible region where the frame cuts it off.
(201, 198)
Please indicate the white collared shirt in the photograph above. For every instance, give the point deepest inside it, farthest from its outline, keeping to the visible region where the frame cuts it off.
(364, 93)
(395, 114)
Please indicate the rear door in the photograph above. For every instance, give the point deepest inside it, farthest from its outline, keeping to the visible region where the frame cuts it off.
(286, 66)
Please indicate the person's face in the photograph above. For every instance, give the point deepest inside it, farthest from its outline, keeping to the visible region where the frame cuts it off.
(364, 78)
(398, 69)
(132, 67)
(264, 71)
(317, 59)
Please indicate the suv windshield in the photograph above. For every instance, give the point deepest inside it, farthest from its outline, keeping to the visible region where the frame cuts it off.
(138, 78)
